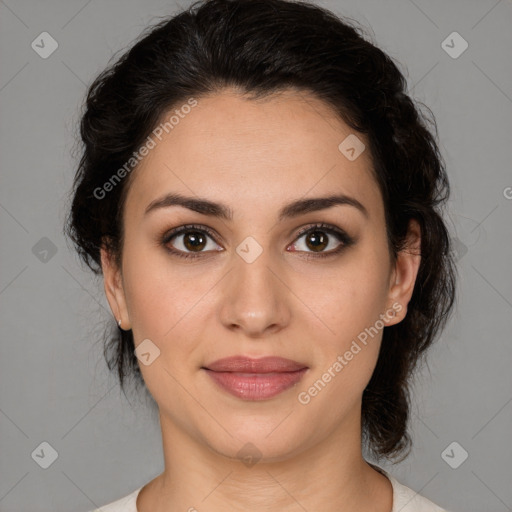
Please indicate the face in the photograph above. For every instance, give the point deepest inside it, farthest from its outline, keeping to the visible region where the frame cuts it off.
(312, 283)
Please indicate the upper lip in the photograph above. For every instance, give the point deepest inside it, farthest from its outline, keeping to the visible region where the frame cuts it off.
(269, 364)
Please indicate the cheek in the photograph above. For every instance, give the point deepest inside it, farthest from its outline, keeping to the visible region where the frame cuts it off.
(162, 305)
(346, 356)
(349, 300)
(158, 295)
(350, 297)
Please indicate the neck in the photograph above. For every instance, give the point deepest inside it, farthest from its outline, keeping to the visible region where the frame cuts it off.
(330, 475)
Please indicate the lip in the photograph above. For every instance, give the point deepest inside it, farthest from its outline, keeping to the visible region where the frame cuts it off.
(255, 379)
(269, 364)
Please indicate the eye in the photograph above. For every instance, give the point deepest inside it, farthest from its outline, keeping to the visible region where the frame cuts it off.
(319, 237)
(193, 238)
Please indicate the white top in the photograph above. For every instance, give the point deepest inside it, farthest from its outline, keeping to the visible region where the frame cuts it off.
(404, 500)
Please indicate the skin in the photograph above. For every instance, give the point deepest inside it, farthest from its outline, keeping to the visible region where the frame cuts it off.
(255, 157)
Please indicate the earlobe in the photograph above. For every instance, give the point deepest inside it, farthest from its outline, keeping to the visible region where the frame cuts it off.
(114, 290)
(404, 275)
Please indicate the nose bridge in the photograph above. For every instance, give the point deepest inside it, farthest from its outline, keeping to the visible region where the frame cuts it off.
(256, 299)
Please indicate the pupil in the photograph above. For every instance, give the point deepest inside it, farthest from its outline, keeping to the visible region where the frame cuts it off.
(319, 240)
(193, 240)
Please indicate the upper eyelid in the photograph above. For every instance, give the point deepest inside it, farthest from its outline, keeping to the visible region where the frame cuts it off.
(318, 225)
(168, 235)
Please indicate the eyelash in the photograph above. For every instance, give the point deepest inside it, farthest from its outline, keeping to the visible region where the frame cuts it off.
(343, 237)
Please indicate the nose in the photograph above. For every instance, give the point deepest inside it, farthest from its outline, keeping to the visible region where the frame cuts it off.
(256, 297)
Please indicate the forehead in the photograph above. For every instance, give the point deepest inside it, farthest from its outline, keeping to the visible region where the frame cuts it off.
(243, 152)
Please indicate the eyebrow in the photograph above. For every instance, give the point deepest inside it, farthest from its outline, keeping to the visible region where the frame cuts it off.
(291, 210)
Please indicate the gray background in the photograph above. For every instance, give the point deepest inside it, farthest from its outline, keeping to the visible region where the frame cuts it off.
(55, 386)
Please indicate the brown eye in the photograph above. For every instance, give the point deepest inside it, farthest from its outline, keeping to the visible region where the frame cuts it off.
(320, 237)
(189, 241)
(317, 240)
(193, 240)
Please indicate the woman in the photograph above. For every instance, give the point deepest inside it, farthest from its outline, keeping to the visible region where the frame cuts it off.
(262, 199)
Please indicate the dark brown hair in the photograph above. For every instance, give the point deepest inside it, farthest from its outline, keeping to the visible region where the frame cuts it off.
(263, 47)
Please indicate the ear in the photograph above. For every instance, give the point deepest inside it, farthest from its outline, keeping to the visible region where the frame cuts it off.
(113, 283)
(403, 276)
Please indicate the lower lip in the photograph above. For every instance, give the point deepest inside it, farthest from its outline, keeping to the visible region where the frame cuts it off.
(256, 386)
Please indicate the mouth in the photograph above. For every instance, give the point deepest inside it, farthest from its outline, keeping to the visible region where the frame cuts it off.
(255, 379)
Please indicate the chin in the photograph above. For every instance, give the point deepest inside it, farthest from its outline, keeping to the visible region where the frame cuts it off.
(261, 439)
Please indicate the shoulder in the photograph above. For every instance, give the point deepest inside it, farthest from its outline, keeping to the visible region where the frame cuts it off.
(405, 499)
(126, 504)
